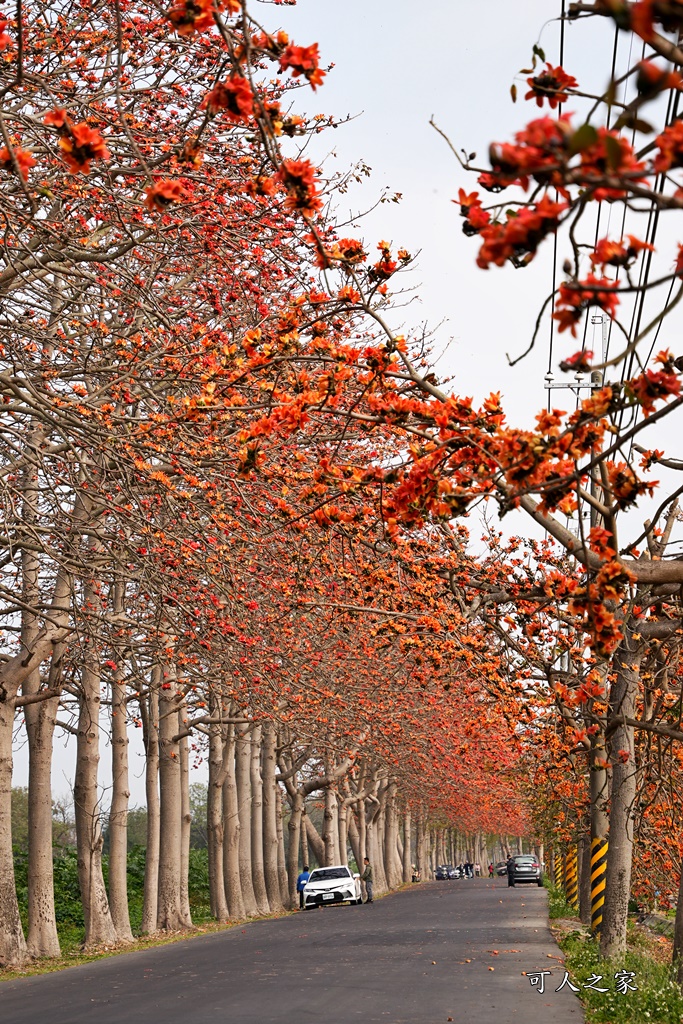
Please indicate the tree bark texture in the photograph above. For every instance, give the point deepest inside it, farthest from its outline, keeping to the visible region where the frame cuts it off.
(231, 826)
(257, 866)
(118, 815)
(149, 713)
(270, 811)
(407, 845)
(622, 805)
(214, 818)
(243, 780)
(13, 951)
(185, 823)
(99, 927)
(169, 911)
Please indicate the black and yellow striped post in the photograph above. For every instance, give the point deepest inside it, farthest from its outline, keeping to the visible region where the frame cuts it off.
(571, 877)
(598, 871)
(559, 868)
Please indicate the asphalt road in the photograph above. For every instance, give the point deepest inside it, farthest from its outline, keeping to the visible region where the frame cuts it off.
(423, 956)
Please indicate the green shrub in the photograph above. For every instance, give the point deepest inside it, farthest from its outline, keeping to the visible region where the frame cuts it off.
(557, 904)
(68, 908)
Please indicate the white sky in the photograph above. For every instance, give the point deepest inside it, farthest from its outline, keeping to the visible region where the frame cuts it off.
(396, 64)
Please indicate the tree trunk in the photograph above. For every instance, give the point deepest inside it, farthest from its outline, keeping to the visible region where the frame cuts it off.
(330, 827)
(281, 858)
(13, 950)
(622, 805)
(118, 815)
(40, 720)
(214, 818)
(99, 927)
(362, 833)
(231, 825)
(315, 843)
(393, 866)
(185, 824)
(343, 823)
(169, 911)
(243, 780)
(354, 838)
(42, 938)
(149, 713)
(421, 846)
(257, 867)
(407, 846)
(13, 674)
(270, 810)
(678, 932)
(305, 852)
(294, 830)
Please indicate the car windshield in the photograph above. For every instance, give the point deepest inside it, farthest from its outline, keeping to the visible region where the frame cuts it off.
(325, 874)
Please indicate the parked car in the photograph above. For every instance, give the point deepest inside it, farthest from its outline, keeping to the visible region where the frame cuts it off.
(442, 872)
(527, 869)
(501, 868)
(335, 884)
(453, 872)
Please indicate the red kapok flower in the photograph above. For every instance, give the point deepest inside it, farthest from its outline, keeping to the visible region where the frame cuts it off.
(234, 97)
(298, 177)
(190, 16)
(573, 299)
(651, 79)
(162, 194)
(619, 254)
(518, 237)
(550, 85)
(5, 39)
(82, 145)
(580, 362)
(642, 19)
(24, 160)
(350, 250)
(652, 386)
(645, 13)
(192, 154)
(670, 145)
(57, 118)
(303, 60)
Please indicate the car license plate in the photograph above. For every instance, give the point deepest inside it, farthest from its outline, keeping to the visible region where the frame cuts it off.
(328, 895)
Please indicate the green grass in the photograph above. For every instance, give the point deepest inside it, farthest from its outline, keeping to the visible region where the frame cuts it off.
(557, 904)
(658, 997)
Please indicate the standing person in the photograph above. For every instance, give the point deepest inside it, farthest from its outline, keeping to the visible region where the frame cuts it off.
(477, 870)
(367, 878)
(510, 865)
(300, 883)
(490, 870)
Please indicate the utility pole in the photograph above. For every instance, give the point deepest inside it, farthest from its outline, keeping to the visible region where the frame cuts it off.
(594, 857)
(598, 779)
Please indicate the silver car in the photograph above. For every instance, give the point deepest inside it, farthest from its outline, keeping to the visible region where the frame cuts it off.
(335, 884)
(527, 869)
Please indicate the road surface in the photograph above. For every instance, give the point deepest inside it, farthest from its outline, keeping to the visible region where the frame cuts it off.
(422, 956)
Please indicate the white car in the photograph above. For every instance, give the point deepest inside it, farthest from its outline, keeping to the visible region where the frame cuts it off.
(336, 884)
